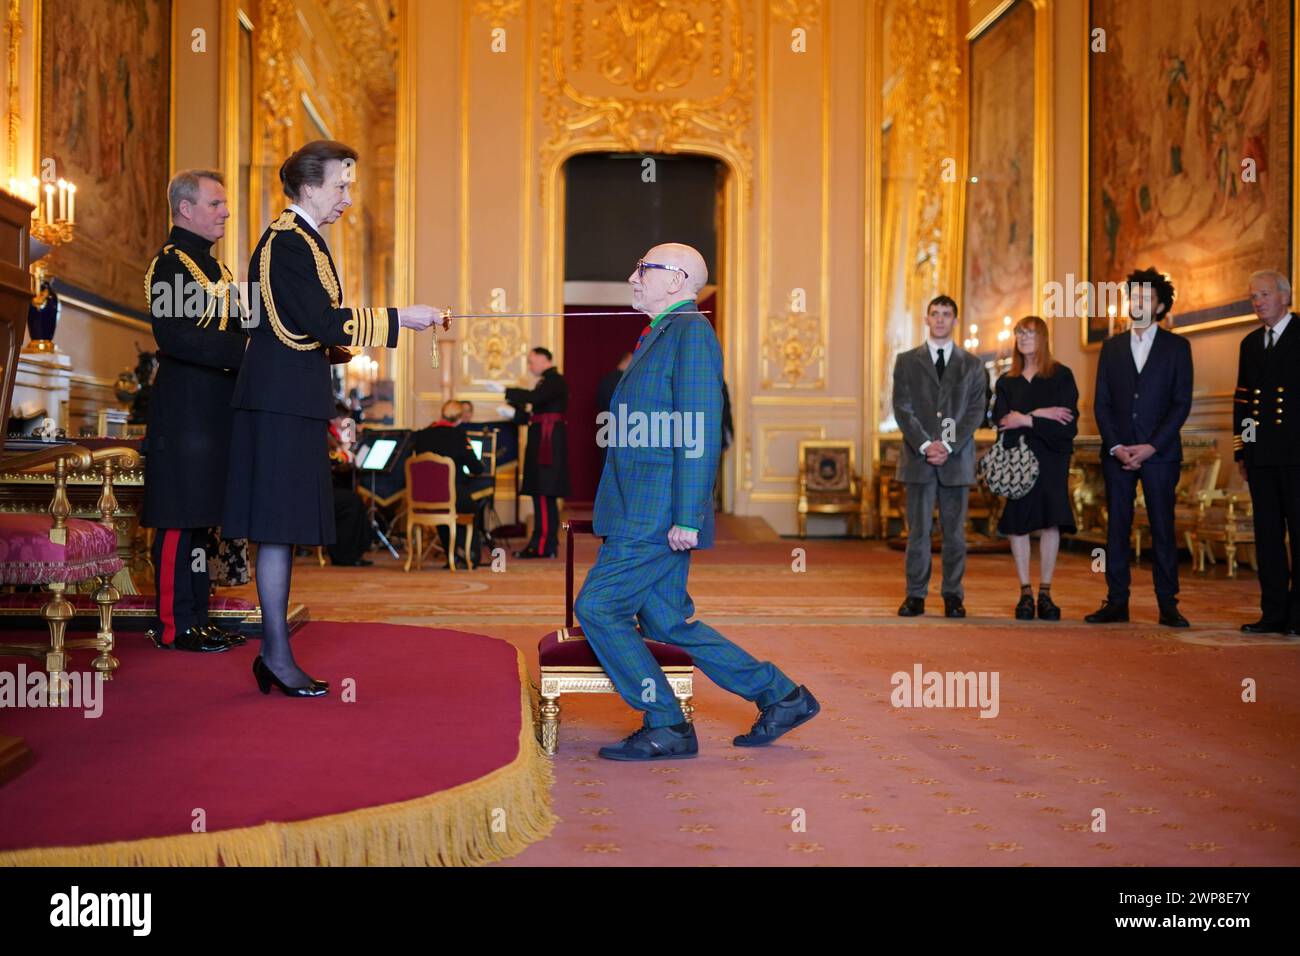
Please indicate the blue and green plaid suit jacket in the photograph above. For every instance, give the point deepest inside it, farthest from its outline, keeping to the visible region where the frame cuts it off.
(663, 473)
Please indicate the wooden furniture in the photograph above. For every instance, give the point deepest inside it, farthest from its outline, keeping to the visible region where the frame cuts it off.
(830, 485)
(1199, 476)
(1229, 520)
(431, 503)
(15, 297)
(568, 665)
(984, 506)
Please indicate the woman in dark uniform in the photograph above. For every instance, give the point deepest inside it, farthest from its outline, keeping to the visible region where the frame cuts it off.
(1038, 400)
(546, 462)
(279, 490)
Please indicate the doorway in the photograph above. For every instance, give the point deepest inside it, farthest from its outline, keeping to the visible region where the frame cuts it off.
(616, 206)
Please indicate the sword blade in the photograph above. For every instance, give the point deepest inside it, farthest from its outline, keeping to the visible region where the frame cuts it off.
(556, 315)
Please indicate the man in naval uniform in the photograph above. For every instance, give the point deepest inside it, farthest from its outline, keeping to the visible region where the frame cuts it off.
(197, 322)
(1266, 445)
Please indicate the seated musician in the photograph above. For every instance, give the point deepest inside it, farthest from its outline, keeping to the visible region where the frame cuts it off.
(444, 437)
(349, 508)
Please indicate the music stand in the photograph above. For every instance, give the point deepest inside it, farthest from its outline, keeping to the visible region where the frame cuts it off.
(380, 458)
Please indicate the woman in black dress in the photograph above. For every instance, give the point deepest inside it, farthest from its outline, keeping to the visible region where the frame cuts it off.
(1038, 400)
(278, 491)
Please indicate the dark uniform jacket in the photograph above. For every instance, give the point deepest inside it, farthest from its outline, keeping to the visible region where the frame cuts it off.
(1268, 380)
(197, 324)
(294, 317)
(550, 396)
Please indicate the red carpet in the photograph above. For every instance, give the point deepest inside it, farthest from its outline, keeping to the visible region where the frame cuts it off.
(183, 736)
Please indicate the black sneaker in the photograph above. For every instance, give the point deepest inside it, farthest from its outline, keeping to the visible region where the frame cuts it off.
(654, 743)
(1025, 608)
(1047, 609)
(777, 720)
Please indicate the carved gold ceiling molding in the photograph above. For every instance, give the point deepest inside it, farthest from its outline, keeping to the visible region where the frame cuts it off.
(797, 12)
(497, 12)
(794, 351)
(651, 75)
(366, 31)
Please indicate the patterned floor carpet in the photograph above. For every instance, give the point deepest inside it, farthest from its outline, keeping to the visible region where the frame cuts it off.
(1119, 745)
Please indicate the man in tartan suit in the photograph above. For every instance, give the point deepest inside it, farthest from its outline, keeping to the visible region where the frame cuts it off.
(655, 504)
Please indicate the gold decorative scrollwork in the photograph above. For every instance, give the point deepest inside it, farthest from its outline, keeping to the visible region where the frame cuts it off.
(792, 344)
(493, 349)
(798, 12)
(603, 87)
(496, 12)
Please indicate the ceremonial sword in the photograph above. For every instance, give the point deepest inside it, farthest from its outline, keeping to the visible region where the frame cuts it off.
(448, 314)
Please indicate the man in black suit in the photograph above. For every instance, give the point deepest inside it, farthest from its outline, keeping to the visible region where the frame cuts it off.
(1266, 445)
(196, 316)
(1144, 393)
(444, 437)
(605, 395)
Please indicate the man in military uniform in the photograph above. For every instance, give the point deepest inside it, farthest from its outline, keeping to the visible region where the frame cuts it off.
(196, 315)
(1266, 445)
(546, 462)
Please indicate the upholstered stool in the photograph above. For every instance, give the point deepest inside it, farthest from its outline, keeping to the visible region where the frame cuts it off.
(568, 665)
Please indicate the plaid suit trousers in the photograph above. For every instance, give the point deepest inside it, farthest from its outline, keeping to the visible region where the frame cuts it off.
(647, 580)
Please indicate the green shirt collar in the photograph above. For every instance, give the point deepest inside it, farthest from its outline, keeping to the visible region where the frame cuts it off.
(675, 305)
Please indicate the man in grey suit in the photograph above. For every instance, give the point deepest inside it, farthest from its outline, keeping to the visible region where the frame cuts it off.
(940, 398)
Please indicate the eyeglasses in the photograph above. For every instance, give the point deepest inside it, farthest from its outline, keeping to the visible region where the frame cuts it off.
(642, 266)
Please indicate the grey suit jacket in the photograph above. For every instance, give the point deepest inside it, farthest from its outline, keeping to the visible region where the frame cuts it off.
(922, 404)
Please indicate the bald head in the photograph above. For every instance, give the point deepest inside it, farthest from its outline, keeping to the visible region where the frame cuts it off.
(658, 289)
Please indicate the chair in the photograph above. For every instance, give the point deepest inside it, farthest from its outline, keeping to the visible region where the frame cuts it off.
(55, 550)
(829, 484)
(431, 502)
(1229, 520)
(569, 665)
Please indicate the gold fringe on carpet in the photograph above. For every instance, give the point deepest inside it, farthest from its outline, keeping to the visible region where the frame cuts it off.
(478, 822)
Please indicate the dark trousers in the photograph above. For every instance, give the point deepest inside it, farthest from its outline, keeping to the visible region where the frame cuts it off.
(546, 524)
(1275, 493)
(1159, 480)
(353, 527)
(180, 564)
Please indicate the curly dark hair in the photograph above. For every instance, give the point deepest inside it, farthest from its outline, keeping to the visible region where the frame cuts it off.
(1160, 284)
(306, 167)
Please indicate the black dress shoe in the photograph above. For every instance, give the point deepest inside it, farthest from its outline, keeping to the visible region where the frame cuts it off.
(233, 638)
(1047, 609)
(266, 680)
(1109, 613)
(911, 607)
(193, 639)
(654, 743)
(776, 720)
(1170, 617)
(1025, 608)
(534, 553)
(1265, 627)
(1293, 630)
(952, 606)
(358, 563)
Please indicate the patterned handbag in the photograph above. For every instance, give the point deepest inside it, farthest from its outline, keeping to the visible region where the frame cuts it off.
(1009, 472)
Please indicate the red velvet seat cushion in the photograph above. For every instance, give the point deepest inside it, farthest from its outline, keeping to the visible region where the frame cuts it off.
(552, 652)
(28, 556)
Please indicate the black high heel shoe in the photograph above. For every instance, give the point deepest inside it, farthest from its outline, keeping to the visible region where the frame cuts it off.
(266, 680)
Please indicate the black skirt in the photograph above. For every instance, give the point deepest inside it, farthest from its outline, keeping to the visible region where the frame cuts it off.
(278, 487)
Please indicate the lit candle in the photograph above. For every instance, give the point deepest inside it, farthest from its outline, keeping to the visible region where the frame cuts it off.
(49, 202)
(72, 204)
(63, 199)
(1110, 321)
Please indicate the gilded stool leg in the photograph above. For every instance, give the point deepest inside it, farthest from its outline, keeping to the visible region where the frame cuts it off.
(57, 612)
(550, 711)
(688, 709)
(1230, 549)
(106, 596)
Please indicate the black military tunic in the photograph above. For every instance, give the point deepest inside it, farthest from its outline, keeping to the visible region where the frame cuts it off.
(1266, 438)
(279, 489)
(544, 474)
(196, 321)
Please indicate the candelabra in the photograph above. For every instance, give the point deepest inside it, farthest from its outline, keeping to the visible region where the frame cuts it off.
(54, 220)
